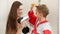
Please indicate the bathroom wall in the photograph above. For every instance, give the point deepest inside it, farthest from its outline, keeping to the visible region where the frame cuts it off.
(5, 6)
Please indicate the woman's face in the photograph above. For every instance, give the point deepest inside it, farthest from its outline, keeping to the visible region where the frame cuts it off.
(19, 11)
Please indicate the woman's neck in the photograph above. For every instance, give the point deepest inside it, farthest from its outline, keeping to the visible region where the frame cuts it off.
(18, 17)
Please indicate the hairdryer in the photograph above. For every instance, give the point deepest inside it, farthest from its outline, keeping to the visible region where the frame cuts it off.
(26, 29)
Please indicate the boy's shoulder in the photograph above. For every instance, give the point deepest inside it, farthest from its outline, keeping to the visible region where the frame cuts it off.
(43, 22)
(45, 26)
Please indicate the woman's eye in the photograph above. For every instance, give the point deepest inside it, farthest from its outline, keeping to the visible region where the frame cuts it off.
(19, 9)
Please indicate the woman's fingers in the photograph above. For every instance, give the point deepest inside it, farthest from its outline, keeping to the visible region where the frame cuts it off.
(22, 25)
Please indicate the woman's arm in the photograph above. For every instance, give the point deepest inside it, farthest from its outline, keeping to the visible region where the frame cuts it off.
(19, 31)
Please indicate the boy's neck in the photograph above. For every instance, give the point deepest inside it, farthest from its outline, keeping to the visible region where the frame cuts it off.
(42, 19)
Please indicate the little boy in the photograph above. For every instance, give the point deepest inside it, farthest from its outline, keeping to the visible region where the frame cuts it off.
(41, 24)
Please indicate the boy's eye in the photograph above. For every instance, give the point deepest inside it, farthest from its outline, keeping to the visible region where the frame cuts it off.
(36, 13)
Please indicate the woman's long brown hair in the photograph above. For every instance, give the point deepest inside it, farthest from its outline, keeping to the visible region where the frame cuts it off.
(12, 18)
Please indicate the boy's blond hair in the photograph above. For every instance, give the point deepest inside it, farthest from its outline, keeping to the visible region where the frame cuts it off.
(43, 9)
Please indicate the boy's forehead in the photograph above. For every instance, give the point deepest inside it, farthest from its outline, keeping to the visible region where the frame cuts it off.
(37, 11)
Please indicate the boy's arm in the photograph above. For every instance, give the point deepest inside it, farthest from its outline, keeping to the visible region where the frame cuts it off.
(32, 17)
(47, 32)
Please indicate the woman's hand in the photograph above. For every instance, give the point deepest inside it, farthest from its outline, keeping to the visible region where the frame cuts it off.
(20, 27)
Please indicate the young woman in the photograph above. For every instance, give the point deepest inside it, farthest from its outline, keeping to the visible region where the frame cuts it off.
(13, 27)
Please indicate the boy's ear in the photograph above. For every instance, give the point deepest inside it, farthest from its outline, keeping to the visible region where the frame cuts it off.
(41, 15)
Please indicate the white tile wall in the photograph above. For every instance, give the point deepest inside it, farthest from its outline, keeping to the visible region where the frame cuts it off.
(5, 6)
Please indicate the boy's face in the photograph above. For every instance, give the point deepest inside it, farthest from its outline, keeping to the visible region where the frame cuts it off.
(39, 15)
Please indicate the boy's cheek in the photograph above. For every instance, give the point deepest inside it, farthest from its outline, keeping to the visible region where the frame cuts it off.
(37, 16)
